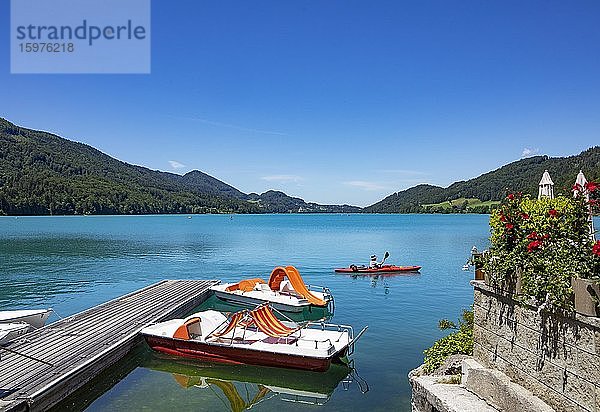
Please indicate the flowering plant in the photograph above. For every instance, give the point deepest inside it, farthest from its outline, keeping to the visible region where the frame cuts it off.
(548, 241)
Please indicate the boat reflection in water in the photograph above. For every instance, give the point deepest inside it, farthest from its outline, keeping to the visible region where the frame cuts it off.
(245, 385)
(381, 279)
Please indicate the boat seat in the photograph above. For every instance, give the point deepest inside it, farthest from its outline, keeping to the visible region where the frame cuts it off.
(263, 287)
(195, 329)
(189, 330)
(286, 287)
(273, 340)
(267, 323)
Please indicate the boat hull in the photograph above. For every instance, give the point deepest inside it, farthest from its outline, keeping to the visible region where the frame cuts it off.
(253, 302)
(11, 331)
(237, 355)
(35, 318)
(384, 269)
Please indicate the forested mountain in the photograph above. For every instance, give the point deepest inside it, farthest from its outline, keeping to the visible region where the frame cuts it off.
(279, 202)
(42, 174)
(520, 176)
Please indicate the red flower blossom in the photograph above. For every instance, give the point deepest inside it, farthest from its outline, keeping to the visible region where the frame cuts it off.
(577, 187)
(510, 196)
(591, 186)
(509, 226)
(553, 212)
(525, 216)
(596, 248)
(593, 202)
(534, 245)
(532, 235)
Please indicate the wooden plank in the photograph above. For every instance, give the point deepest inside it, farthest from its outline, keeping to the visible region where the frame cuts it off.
(82, 341)
(76, 358)
(61, 330)
(84, 344)
(86, 353)
(83, 374)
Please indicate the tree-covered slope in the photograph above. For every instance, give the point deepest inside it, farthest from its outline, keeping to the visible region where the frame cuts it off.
(279, 202)
(41, 174)
(520, 176)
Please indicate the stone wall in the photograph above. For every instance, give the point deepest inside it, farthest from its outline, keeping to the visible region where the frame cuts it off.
(555, 357)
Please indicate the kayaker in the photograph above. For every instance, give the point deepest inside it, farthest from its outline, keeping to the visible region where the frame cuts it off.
(373, 264)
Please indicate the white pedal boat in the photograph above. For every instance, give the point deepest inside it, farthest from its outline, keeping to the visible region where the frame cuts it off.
(34, 317)
(285, 291)
(11, 331)
(253, 337)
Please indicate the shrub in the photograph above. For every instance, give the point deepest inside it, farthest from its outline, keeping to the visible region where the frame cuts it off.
(458, 342)
(548, 240)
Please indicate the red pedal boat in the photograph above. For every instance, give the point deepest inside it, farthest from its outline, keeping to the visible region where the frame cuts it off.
(254, 337)
(381, 269)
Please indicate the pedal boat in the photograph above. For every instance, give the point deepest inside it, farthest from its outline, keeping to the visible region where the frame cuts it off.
(34, 317)
(254, 337)
(11, 331)
(285, 291)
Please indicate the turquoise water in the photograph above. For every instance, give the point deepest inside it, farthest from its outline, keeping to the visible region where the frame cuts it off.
(72, 263)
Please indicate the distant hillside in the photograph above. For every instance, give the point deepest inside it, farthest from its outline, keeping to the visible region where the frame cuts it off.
(279, 202)
(520, 176)
(42, 174)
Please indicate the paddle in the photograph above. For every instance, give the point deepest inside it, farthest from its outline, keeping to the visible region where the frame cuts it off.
(385, 256)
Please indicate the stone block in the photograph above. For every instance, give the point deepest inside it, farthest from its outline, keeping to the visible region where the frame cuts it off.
(517, 355)
(580, 391)
(478, 298)
(485, 337)
(527, 337)
(483, 355)
(497, 389)
(550, 375)
(528, 317)
(525, 378)
(431, 395)
(587, 366)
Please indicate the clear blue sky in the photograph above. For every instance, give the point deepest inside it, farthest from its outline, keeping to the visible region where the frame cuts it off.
(335, 101)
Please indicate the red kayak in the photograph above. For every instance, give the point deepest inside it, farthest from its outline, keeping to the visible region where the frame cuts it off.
(382, 269)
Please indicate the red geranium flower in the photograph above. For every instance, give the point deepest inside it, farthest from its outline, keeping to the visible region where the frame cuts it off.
(591, 186)
(533, 245)
(532, 235)
(596, 248)
(525, 216)
(502, 217)
(509, 226)
(553, 212)
(510, 196)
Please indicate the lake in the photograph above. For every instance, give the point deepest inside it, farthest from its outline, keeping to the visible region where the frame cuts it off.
(71, 263)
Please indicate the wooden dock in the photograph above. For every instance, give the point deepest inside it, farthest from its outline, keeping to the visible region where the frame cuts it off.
(77, 348)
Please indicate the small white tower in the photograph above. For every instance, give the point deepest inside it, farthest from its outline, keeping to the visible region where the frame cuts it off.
(582, 181)
(546, 186)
